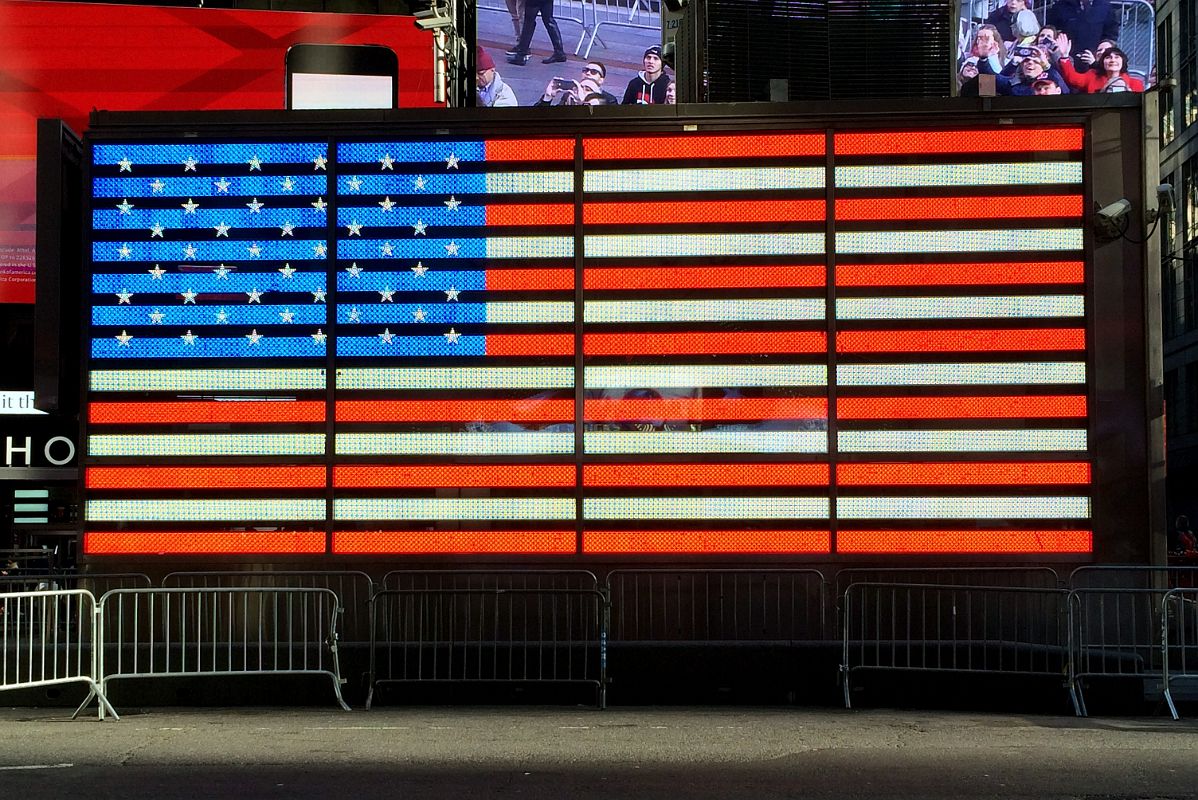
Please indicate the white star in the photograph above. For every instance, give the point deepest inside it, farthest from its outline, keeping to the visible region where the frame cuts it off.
(189, 297)
(190, 164)
(221, 272)
(222, 317)
(319, 336)
(418, 315)
(354, 270)
(125, 206)
(125, 164)
(288, 229)
(319, 162)
(354, 183)
(156, 230)
(386, 249)
(255, 296)
(287, 315)
(387, 162)
(387, 203)
(254, 250)
(222, 229)
(190, 206)
(123, 338)
(355, 228)
(157, 272)
(451, 162)
(419, 228)
(419, 183)
(189, 252)
(253, 336)
(452, 248)
(387, 295)
(254, 206)
(419, 269)
(287, 270)
(355, 315)
(319, 204)
(319, 249)
(287, 184)
(318, 295)
(125, 252)
(452, 203)
(386, 336)
(189, 338)
(222, 186)
(157, 186)
(255, 164)
(156, 317)
(123, 296)
(451, 294)
(452, 337)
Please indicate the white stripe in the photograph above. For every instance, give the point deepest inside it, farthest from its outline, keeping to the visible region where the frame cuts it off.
(694, 376)
(439, 508)
(457, 378)
(991, 241)
(1060, 305)
(457, 444)
(199, 380)
(961, 440)
(526, 182)
(981, 174)
(704, 310)
(661, 245)
(199, 510)
(531, 311)
(963, 507)
(712, 179)
(530, 247)
(1015, 373)
(705, 508)
(207, 444)
(706, 441)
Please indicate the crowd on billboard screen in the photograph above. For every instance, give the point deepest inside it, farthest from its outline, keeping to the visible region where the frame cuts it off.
(1049, 47)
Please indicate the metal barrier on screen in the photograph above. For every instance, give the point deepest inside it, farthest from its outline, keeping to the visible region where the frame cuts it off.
(592, 15)
(1179, 641)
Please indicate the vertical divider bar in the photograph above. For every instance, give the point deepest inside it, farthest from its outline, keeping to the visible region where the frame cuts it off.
(330, 374)
(579, 353)
(830, 320)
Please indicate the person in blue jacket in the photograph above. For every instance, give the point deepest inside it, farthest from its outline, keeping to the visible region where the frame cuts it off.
(1086, 22)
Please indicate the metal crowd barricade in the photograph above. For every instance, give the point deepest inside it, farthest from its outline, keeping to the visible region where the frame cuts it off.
(563, 11)
(1133, 576)
(489, 635)
(212, 632)
(995, 577)
(959, 629)
(540, 579)
(97, 583)
(1179, 640)
(48, 638)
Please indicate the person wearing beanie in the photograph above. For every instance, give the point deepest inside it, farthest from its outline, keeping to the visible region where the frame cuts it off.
(492, 91)
(519, 56)
(649, 86)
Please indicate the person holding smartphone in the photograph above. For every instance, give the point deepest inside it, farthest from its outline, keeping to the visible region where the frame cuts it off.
(566, 92)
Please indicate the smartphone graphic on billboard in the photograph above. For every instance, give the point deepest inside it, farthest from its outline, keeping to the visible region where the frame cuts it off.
(341, 76)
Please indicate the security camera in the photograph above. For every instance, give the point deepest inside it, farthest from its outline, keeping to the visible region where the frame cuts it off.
(1164, 203)
(430, 19)
(1110, 221)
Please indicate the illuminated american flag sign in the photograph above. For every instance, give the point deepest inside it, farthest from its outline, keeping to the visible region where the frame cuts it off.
(786, 344)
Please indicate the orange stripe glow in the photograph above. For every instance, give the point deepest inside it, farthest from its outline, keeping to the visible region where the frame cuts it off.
(705, 542)
(676, 148)
(745, 343)
(531, 214)
(530, 150)
(273, 476)
(987, 142)
(698, 408)
(705, 475)
(1015, 473)
(528, 410)
(453, 542)
(508, 280)
(997, 407)
(749, 276)
(230, 412)
(960, 341)
(703, 211)
(191, 543)
(964, 542)
(920, 208)
(530, 344)
(436, 476)
(957, 274)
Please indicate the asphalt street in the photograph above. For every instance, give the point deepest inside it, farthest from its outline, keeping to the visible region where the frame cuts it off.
(419, 752)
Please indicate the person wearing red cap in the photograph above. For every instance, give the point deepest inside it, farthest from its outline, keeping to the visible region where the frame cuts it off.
(492, 91)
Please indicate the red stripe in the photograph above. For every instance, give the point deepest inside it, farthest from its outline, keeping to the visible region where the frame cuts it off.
(703, 212)
(230, 412)
(171, 543)
(268, 476)
(531, 214)
(748, 276)
(921, 208)
(957, 274)
(638, 475)
(705, 542)
(996, 407)
(990, 143)
(526, 410)
(526, 150)
(694, 408)
(748, 343)
(429, 476)
(959, 341)
(453, 542)
(530, 344)
(964, 541)
(1015, 473)
(677, 148)
(509, 280)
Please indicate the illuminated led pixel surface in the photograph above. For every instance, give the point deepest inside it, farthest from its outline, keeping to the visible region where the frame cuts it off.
(712, 344)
